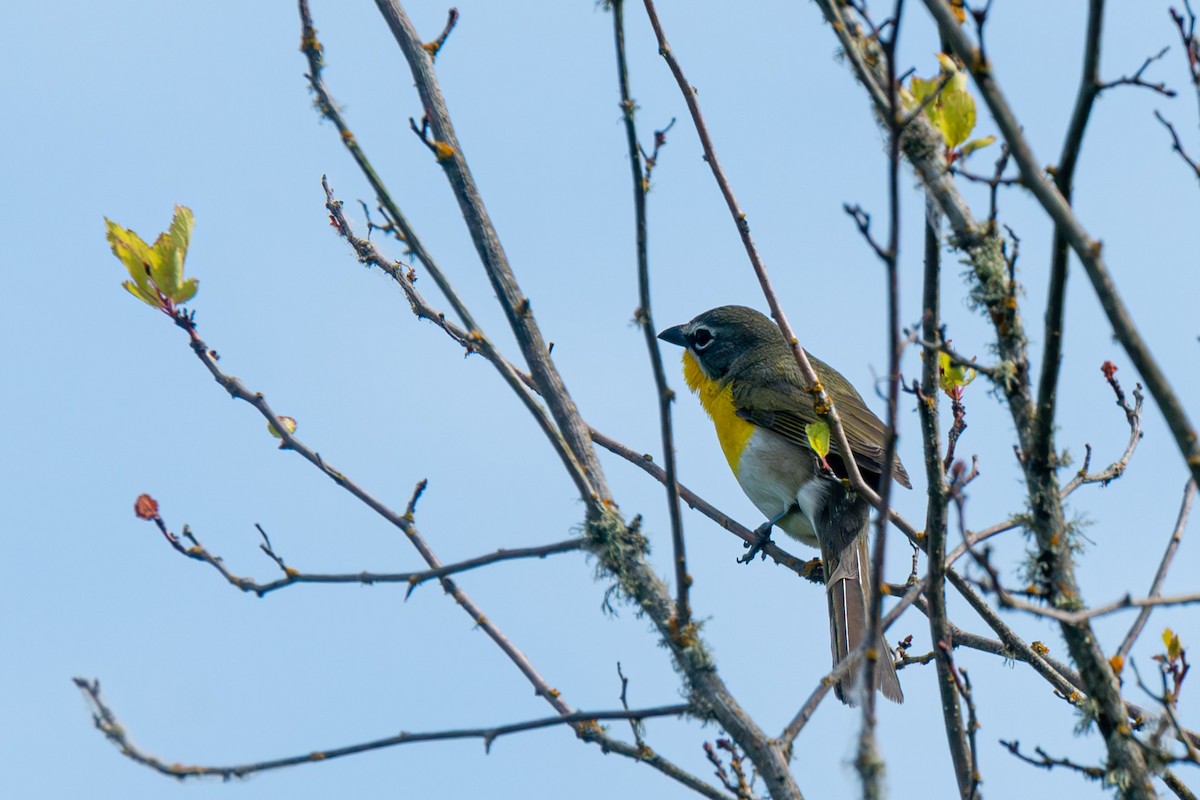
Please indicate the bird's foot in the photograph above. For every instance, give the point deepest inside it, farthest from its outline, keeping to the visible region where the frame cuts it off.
(813, 570)
(762, 537)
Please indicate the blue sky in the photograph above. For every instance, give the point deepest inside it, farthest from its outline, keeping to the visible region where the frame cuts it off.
(124, 109)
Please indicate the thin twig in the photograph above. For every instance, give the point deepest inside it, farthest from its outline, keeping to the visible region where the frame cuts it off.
(645, 319)
(1135, 630)
(1177, 144)
(1055, 562)
(748, 536)
(586, 724)
(1048, 762)
(1136, 78)
(314, 53)
(1075, 617)
(292, 576)
(1133, 416)
(471, 338)
(435, 47)
(515, 304)
(1177, 786)
(804, 714)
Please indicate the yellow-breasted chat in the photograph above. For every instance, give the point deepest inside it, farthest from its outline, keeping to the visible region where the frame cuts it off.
(739, 365)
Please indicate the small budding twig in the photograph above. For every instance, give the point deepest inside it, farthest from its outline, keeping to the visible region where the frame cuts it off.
(435, 47)
(1177, 144)
(1048, 762)
(1135, 630)
(1137, 80)
(586, 721)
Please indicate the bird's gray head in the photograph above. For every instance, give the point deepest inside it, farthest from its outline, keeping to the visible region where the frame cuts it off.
(720, 336)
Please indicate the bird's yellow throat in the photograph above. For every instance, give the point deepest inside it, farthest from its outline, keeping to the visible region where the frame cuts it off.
(732, 431)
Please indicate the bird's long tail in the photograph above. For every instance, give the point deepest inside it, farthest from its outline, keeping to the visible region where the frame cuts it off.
(847, 587)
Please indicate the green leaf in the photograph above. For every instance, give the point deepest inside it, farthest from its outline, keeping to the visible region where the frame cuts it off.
(953, 377)
(975, 144)
(139, 260)
(157, 271)
(140, 293)
(957, 106)
(952, 112)
(818, 437)
(289, 425)
(1174, 646)
(171, 248)
(919, 89)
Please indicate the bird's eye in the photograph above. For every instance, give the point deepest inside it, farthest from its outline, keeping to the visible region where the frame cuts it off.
(701, 338)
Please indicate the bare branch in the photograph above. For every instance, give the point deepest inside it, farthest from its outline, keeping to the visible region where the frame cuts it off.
(1133, 415)
(1135, 630)
(801, 718)
(1048, 762)
(1075, 617)
(1177, 786)
(586, 724)
(1177, 144)
(473, 340)
(495, 262)
(435, 47)
(292, 576)
(1136, 78)
(748, 536)
(645, 319)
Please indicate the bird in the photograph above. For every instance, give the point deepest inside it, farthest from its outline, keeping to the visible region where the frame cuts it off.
(738, 363)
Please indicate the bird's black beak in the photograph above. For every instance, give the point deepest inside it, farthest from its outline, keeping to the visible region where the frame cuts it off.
(674, 336)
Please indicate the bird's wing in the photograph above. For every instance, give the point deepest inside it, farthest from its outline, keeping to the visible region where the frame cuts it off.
(786, 409)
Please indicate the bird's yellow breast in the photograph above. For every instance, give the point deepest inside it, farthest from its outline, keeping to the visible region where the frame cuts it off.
(732, 431)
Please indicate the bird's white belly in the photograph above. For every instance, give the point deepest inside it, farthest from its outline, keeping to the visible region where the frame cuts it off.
(776, 474)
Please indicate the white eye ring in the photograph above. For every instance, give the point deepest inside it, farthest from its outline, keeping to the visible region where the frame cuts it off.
(701, 339)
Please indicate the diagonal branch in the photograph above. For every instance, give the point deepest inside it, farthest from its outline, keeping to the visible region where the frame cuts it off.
(821, 401)
(515, 304)
(405, 522)
(1177, 144)
(368, 254)
(313, 51)
(1135, 630)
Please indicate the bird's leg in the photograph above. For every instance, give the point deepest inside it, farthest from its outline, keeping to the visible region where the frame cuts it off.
(762, 536)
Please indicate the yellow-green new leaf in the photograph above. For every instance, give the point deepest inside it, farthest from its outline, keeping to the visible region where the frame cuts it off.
(956, 119)
(171, 248)
(139, 260)
(289, 425)
(156, 271)
(953, 377)
(975, 144)
(1174, 646)
(818, 437)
